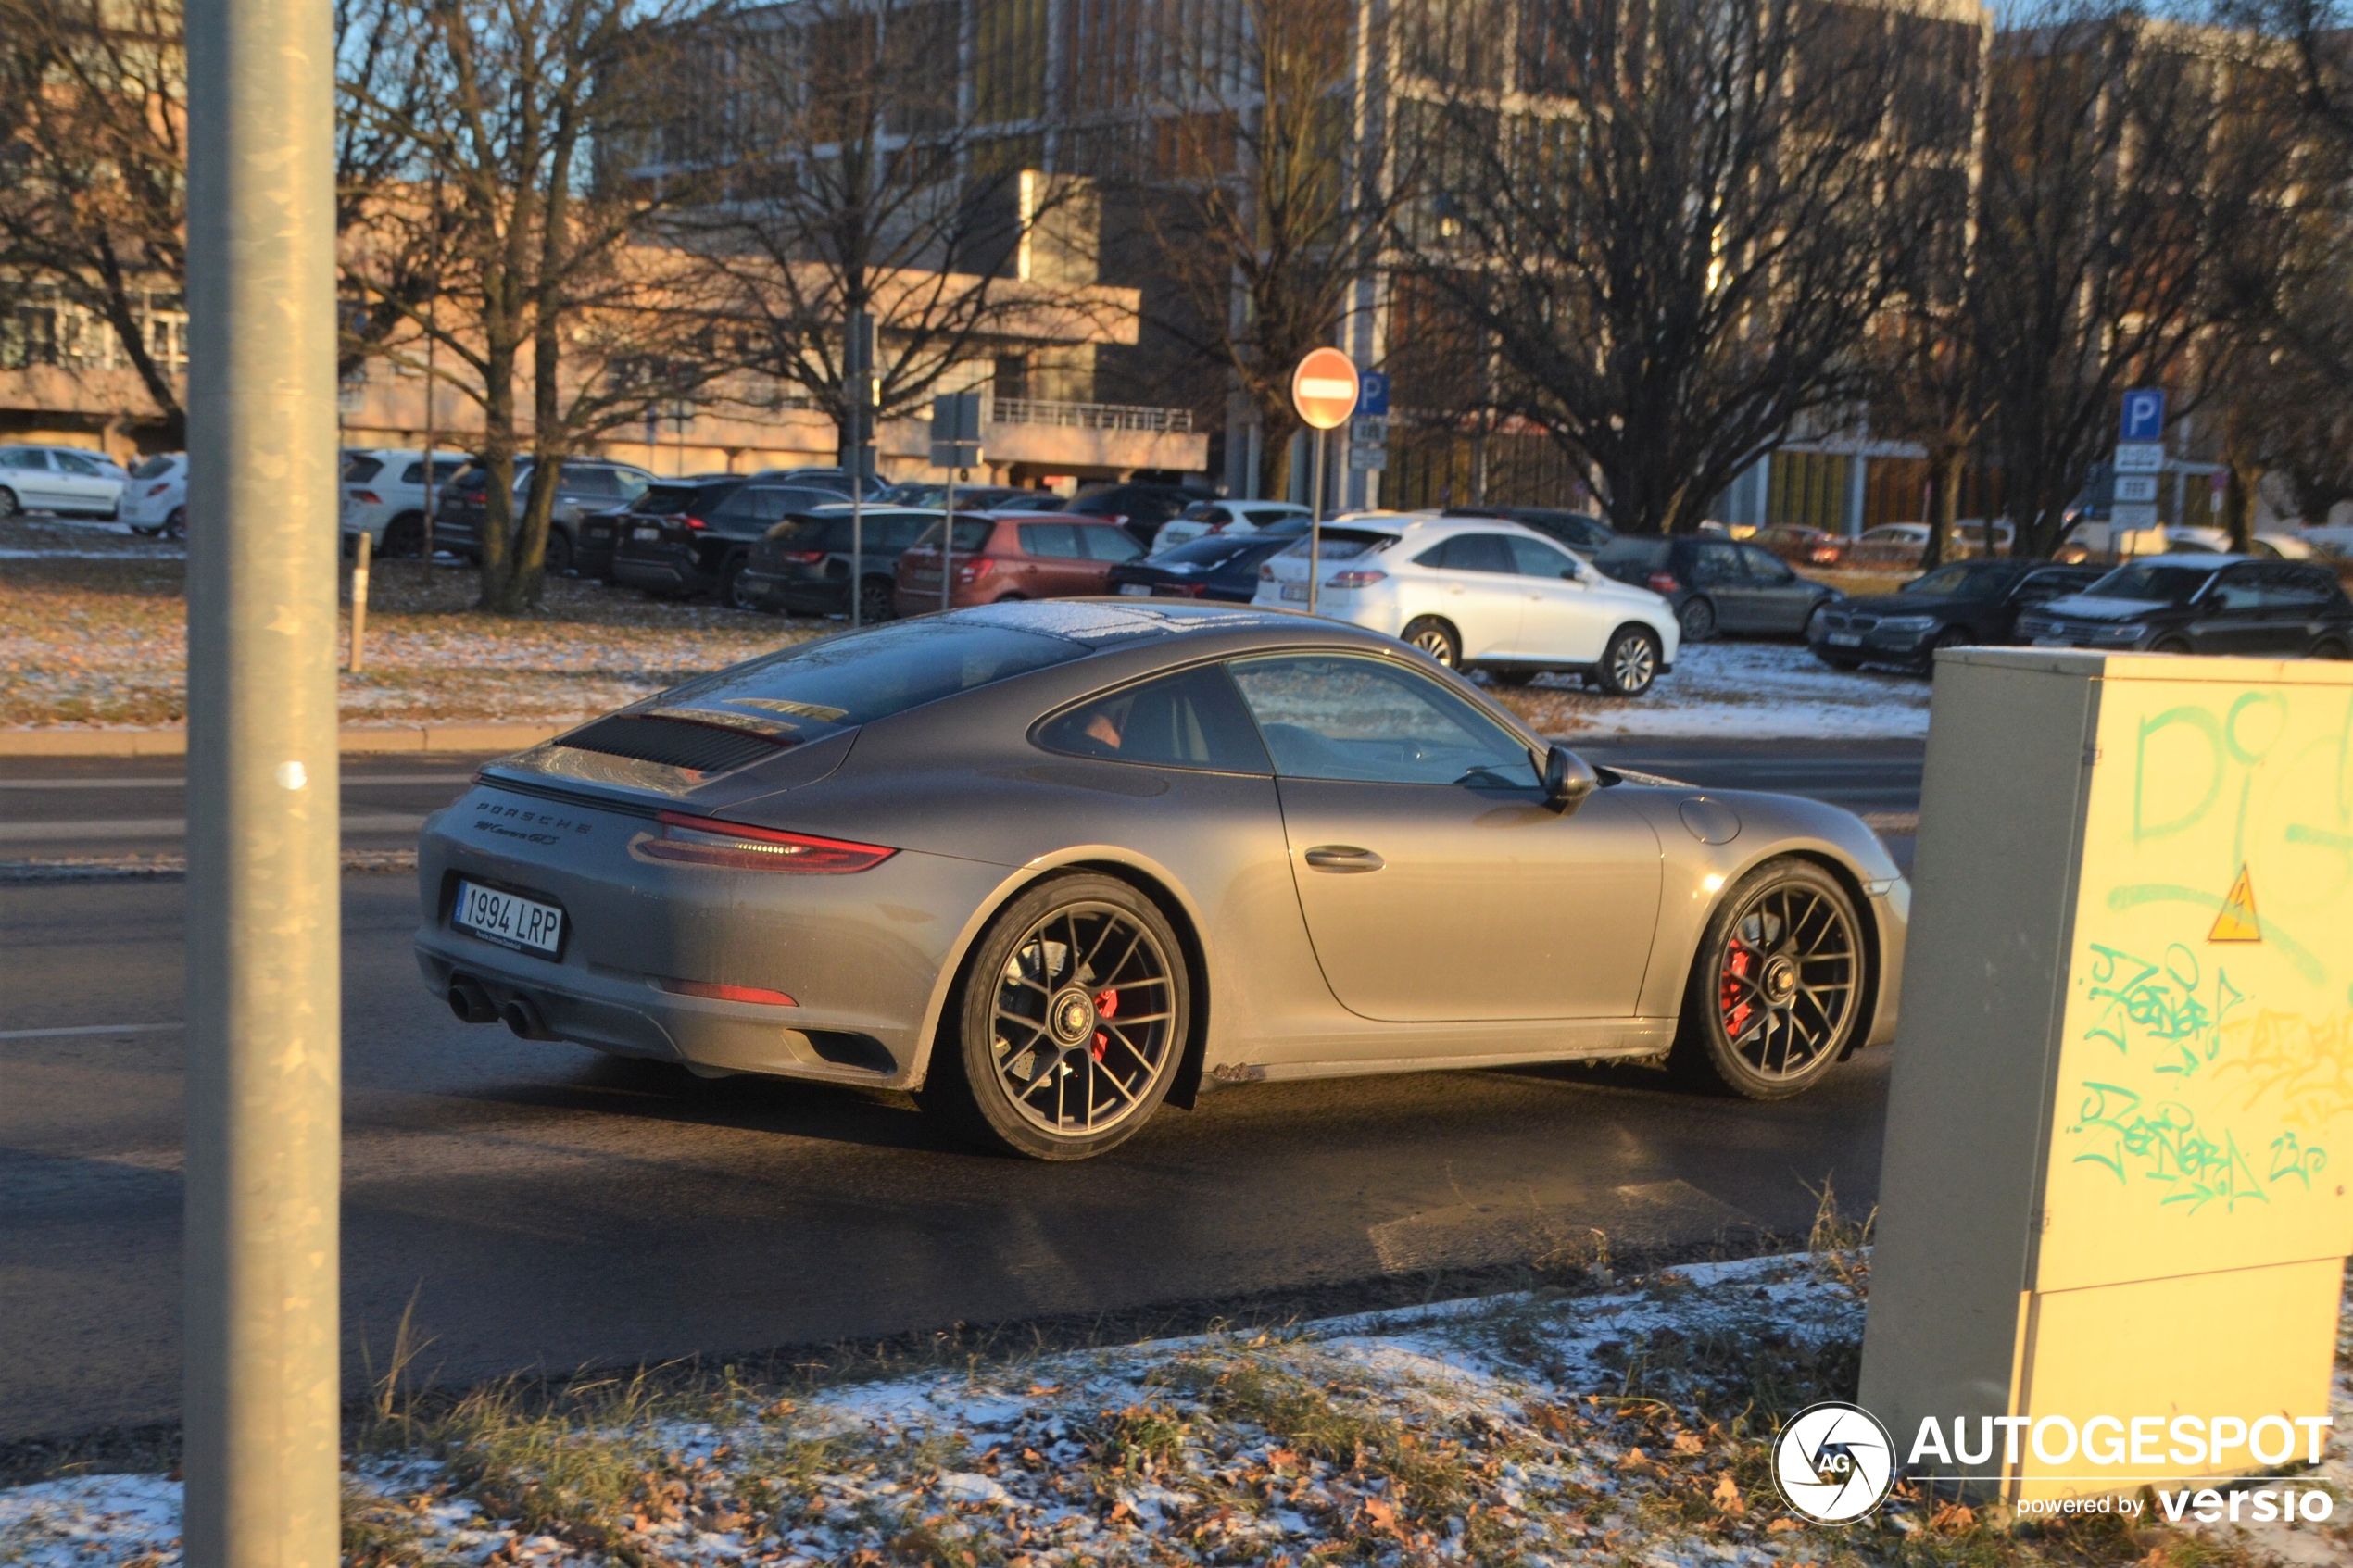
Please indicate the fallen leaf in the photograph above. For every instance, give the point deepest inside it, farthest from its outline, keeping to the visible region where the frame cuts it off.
(1689, 1443)
(1778, 1525)
(1726, 1495)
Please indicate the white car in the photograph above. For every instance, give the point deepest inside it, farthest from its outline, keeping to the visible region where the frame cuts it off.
(156, 501)
(384, 496)
(1480, 594)
(1204, 518)
(68, 481)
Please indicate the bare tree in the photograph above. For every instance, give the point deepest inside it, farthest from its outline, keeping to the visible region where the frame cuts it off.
(1673, 223)
(2123, 177)
(92, 166)
(1263, 175)
(856, 168)
(563, 325)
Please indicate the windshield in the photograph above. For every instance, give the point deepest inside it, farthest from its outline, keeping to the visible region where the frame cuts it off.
(154, 467)
(2161, 584)
(1958, 582)
(820, 688)
(1341, 543)
(970, 535)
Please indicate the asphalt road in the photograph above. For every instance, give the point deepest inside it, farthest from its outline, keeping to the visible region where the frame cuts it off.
(549, 1208)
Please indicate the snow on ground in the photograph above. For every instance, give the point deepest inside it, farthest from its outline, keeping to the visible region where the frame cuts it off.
(1616, 1427)
(1736, 690)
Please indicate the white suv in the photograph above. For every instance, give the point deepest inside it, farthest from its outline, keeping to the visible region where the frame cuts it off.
(384, 496)
(1204, 518)
(1481, 594)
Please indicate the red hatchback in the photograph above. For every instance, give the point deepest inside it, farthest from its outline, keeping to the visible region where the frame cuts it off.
(1013, 556)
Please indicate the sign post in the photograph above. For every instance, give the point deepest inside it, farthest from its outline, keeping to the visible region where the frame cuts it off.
(955, 445)
(264, 1411)
(857, 385)
(1324, 389)
(2113, 1212)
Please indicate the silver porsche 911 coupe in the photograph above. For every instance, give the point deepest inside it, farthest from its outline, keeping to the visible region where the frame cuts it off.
(1049, 865)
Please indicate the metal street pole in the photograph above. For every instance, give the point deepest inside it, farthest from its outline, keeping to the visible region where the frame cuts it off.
(261, 1403)
(857, 385)
(1315, 523)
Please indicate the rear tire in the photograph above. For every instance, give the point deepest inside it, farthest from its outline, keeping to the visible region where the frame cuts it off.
(730, 585)
(2170, 644)
(9, 504)
(1697, 618)
(1951, 637)
(2332, 650)
(557, 559)
(176, 525)
(404, 537)
(1839, 660)
(1629, 663)
(1435, 638)
(1052, 1046)
(1777, 986)
(875, 602)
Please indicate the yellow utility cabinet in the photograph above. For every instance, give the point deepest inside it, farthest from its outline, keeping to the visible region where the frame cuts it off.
(2120, 1133)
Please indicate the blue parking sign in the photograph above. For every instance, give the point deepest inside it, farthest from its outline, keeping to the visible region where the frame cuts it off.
(1372, 395)
(2144, 415)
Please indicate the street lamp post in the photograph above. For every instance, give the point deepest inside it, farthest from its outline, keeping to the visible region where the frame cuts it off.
(262, 1409)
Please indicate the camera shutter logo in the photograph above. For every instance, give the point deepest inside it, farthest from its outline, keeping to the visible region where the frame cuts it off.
(1835, 1463)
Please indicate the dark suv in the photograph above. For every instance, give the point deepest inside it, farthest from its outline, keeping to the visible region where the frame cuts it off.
(1716, 586)
(2202, 604)
(803, 564)
(1139, 508)
(1967, 602)
(584, 488)
(684, 552)
(698, 496)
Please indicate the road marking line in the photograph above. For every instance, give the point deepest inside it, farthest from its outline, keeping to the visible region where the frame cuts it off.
(172, 827)
(66, 783)
(88, 1029)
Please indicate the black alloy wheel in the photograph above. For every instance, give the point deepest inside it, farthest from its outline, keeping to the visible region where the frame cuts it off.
(1698, 620)
(1777, 988)
(1630, 661)
(874, 602)
(1070, 1024)
(1435, 638)
(730, 585)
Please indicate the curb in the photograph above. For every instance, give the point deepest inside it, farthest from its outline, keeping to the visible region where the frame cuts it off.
(173, 742)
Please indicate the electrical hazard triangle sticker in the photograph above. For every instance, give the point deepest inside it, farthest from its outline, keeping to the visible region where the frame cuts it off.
(2237, 921)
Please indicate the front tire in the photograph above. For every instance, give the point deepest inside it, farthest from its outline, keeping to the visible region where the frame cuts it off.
(730, 585)
(1777, 988)
(1629, 663)
(1070, 1024)
(1435, 638)
(556, 561)
(1697, 618)
(876, 603)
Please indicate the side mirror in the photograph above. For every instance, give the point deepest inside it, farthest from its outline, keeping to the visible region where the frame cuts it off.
(1567, 780)
(1571, 575)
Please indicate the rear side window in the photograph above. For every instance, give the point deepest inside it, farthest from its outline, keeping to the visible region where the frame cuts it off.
(1715, 564)
(665, 500)
(359, 470)
(2296, 587)
(1055, 540)
(1109, 543)
(972, 534)
(1469, 552)
(1194, 719)
(1344, 544)
(595, 483)
(1632, 556)
(819, 688)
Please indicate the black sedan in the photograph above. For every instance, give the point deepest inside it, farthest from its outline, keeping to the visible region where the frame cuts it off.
(1970, 602)
(601, 536)
(2202, 604)
(1221, 566)
(687, 553)
(1716, 586)
(805, 565)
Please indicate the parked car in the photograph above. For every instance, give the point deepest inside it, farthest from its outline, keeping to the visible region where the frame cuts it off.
(1033, 501)
(156, 501)
(1205, 518)
(685, 552)
(1891, 544)
(817, 477)
(1806, 546)
(1717, 585)
(586, 487)
(68, 481)
(2281, 546)
(1142, 508)
(1028, 813)
(1582, 532)
(1015, 555)
(2197, 541)
(2202, 604)
(932, 495)
(382, 496)
(1481, 594)
(2095, 539)
(1968, 602)
(695, 496)
(804, 565)
(1220, 566)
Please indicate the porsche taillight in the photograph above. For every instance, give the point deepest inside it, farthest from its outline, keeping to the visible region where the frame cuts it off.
(706, 841)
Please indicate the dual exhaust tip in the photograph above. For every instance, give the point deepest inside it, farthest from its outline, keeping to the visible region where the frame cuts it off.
(471, 1001)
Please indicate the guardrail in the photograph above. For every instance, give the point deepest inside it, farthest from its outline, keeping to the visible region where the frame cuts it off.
(1091, 415)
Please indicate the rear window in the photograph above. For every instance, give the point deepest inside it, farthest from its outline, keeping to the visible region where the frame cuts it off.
(970, 535)
(665, 500)
(1634, 555)
(817, 532)
(1959, 582)
(359, 470)
(2162, 585)
(154, 467)
(820, 688)
(1343, 543)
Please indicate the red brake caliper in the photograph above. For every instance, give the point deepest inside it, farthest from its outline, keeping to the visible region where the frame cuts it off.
(1731, 994)
(1106, 1006)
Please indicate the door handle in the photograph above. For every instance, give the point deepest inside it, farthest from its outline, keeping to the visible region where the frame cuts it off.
(1343, 857)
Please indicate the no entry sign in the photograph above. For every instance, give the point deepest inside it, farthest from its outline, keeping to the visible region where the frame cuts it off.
(1323, 388)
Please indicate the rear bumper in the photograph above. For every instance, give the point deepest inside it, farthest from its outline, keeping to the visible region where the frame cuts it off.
(795, 594)
(674, 576)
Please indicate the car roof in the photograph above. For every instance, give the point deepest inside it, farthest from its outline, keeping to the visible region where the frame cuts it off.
(1107, 623)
